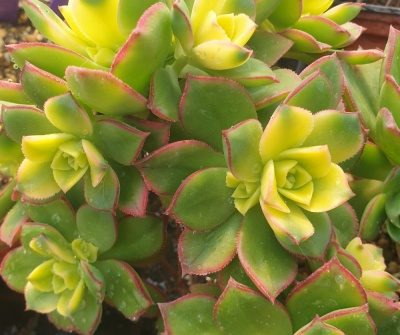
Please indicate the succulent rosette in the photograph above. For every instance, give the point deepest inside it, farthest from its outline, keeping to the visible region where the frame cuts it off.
(213, 34)
(285, 178)
(66, 269)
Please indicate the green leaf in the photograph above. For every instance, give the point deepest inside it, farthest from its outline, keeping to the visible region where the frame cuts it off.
(253, 73)
(118, 140)
(61, 322)
(268, 95)
(104, 92)
(317, 327)
(68, 116)
(97, 197)
(19, 121)
(138, 239)
(124, 288)
(241, 148)
(240, 310)
(270, 267)
(133, 196)
(190, 314)
(211, 105)
(40, 85)
(323, 29)
(41, 302)
(159, 132)
(281, 18)
(351, 321)
(388, 135)
(314, 94)
(166, 168)
(205, 252)
(48, 57)
(345, 223)
(12, 223)
(202, 210)
(36, 180)
(268, 47)
(129, 13)
(181, 25)
(94, 281)
(13, 92)
(265, 8)
(165, 94)
(304, 42)
(88, 316)
(384, 312)
(235, 270)
(390, 65)
(332, 287)
(17, 265)
(373, 217)
(362, 91)
(389, 97)
(96, 227)
(145, 50)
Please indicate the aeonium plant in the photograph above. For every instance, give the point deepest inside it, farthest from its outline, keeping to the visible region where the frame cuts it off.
(175, 112)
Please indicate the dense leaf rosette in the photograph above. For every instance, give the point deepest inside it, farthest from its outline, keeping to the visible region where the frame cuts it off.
(275, 169)
(61, 275)
(214, 35)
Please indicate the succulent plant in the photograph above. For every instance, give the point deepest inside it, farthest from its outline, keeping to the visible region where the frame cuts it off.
(164, 136)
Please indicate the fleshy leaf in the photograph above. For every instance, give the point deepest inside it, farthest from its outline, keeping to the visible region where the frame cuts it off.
(190, 314)
(298, 120)
(48, 57)
(42, 302)
(146, 49)
(304, 95)
(36, 180)
(352, 321)
(341, 131)
(12, 223)
(265, 96)
(87, 318)
(384, 312)
(205, 252)
(68, 116)
(388, 135)
(52, 27)
(97, 227)
(17, 265)
(118, 140)
(240, 309)
(133, 191)
(310, 297)
(165, 94)
(104, 92)
(373, 217)
(166, 168)
(281, 18)
(19, 121)
(201, 105)
(181, 25)
(58, 214)
(13, 92)
(359, 57)
(241, 150)
(124, 288)
(268, 47)
(345, 223)
(323, 29)
(389, 97)
(97, 198)
(269, 266)
(343, 12)
(138, 239)
(304, 42)
(317, 327)
(40, 85)
(199, 210)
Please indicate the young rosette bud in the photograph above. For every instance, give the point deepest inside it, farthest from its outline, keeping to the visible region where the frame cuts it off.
(214, 34)
(374, 277)
(60, 273)
(287, 169)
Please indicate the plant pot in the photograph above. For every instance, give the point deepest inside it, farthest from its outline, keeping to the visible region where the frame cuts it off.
(8, 10)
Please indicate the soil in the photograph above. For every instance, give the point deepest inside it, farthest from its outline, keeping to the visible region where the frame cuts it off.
(14, 319)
